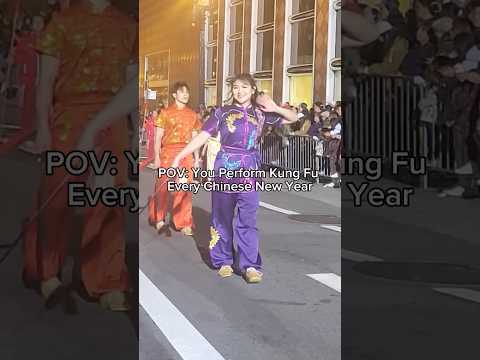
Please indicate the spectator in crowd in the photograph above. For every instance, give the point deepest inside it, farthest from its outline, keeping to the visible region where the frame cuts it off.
(439, 48)
(317, 121)
(333, 138)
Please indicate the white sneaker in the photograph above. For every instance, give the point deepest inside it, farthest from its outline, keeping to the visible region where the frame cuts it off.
(159, 225)
(28, 147)
(334, 176)
(465, 169)
(329, 185)
(253, 276)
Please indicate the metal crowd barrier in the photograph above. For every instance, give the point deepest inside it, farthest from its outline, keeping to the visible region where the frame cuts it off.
(294, 153)
(384, 117)
(143, 148)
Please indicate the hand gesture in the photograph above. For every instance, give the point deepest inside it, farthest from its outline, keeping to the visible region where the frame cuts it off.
(266, 103)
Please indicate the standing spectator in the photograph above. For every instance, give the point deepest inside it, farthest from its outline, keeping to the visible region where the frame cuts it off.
(334, 138)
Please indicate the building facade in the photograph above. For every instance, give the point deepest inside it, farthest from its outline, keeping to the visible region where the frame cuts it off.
(291, 47)
(169, 46)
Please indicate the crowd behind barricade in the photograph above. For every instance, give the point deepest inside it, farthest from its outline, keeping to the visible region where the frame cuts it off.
(435, 44)
(321, 125)
(19, 29)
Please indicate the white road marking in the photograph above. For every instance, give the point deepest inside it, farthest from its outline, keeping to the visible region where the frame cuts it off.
(183, 336)
(332, 227)
(276, 208)
(466, 294)
(358, 257)
(329, 279)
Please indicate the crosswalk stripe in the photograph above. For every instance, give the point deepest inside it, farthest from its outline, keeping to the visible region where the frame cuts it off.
(278, 209)
(358, 257)
(184, 337)
(332, 227)
(466, 294)
(329, 279)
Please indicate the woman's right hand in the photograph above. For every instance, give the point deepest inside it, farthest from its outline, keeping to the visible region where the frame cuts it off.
(42, 140)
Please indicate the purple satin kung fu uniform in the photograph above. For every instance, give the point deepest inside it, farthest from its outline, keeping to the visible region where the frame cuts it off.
(240, 130)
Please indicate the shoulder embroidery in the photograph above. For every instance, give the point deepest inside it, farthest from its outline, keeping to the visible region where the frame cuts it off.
(231, 118)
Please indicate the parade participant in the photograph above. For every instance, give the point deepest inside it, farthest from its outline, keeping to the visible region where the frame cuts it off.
(149, 128)
(78, 79)
(175, 127)
(240, 126)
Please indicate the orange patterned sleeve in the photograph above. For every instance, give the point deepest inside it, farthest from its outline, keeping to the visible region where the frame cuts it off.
(161, 119)
(52, 40)
(197, 125)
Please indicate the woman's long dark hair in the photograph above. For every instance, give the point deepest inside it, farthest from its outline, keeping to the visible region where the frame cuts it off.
(246, 78)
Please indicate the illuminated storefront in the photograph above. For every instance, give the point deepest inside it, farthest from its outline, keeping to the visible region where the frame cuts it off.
(169, 50)
(290, 47)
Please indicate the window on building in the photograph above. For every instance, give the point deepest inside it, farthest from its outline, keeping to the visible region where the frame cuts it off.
(211, 46)
(337, 92)
(338, 52)
(300, 59)
(264, 50)
(212, 26)
(264, 85)
(302, 42)
(264, 30)
(211, 62)
(235, 57)
(301, 89)
(299, 6)
(210, 96)
(266, 12)
(234, 42)
(236, 17)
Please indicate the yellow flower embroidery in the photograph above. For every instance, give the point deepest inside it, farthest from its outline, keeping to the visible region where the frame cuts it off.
(231, 119)
(214, 237)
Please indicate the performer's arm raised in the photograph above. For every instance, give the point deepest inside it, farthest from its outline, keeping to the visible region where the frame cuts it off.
(268, 105)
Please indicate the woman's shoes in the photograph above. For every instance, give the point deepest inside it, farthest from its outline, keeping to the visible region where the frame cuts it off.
(159, 225)
(53, 291)
(225, 271)
(114, 301)
(187, 231)
(253, 276)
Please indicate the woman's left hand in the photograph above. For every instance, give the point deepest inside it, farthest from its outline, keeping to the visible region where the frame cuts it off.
(175, 163)
(266, 103)
(86, 141)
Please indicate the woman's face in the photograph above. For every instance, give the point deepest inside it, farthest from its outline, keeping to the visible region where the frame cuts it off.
(316, 108)
(242, 92)
(474, 17)
(422, 12)
(422, 36)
